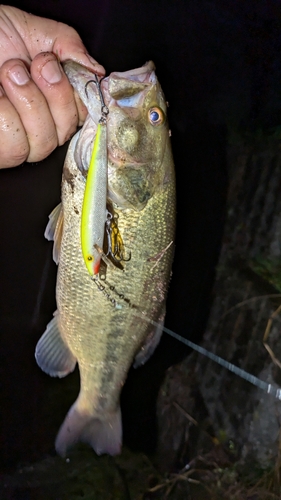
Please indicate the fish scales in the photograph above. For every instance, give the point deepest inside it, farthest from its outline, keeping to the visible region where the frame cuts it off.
(99, 320)
(120, 327)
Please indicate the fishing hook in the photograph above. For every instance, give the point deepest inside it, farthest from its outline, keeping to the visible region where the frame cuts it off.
(121, 257)
(117, 254)
(104, 108)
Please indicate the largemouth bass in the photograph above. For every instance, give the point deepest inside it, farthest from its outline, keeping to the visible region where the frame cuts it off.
(98, 323)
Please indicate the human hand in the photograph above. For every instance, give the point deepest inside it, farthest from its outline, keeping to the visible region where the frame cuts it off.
(38, 107)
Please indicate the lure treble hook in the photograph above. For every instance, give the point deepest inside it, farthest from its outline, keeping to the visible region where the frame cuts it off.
(114, 240)
(104, 108)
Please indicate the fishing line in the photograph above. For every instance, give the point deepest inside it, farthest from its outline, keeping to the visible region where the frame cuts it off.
(269, 388)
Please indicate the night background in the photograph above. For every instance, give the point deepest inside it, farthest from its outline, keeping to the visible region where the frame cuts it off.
(219, 66)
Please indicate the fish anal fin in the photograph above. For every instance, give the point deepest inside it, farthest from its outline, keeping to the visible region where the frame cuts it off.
(150, 344)
(52, 354)
(54, 229)
(103, 434)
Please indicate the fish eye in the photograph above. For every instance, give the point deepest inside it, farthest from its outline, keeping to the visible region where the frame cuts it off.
(156, 116)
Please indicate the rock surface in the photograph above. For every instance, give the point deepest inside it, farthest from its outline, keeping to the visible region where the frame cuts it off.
(199, 398)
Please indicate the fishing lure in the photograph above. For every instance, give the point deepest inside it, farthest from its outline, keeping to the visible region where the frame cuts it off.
(115, 245)
(94, 211)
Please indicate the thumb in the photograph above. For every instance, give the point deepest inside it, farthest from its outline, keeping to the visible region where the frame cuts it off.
(68, 45)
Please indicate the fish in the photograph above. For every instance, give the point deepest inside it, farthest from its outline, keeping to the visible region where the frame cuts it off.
(101, 317)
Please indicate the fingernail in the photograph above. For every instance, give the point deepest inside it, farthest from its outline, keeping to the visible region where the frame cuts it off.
(19, 75)
(51, 72)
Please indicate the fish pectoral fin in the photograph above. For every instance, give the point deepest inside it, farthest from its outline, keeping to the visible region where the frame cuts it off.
(103, 433)
(52, 224)
(150, 344)
(52, 354)
(53, 231)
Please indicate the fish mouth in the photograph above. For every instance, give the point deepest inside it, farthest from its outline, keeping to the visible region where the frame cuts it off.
(128, 88)
(144, 74)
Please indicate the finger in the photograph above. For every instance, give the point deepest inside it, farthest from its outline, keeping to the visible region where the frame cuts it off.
(32, 108)
(68, 45)
(48, 75)
(46, 35)
(14, 147)
(12, 43)
(82, 110)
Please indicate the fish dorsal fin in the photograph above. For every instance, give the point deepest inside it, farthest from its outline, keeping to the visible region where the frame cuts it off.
(52, 354)
(54, 230)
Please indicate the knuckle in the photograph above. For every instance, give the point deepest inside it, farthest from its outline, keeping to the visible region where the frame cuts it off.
(14, 147)
(65, 132)
(50, 145)
(41, 147)
(13, 156)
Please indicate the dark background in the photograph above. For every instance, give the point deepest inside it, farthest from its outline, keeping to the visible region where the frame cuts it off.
(219, 65)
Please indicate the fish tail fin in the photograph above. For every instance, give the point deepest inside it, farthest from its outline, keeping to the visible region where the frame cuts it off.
(104, 434)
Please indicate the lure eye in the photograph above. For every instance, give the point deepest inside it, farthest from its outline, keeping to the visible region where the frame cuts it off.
(156, 116)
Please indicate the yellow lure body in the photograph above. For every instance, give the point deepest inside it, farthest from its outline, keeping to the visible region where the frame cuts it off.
(94, 203)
